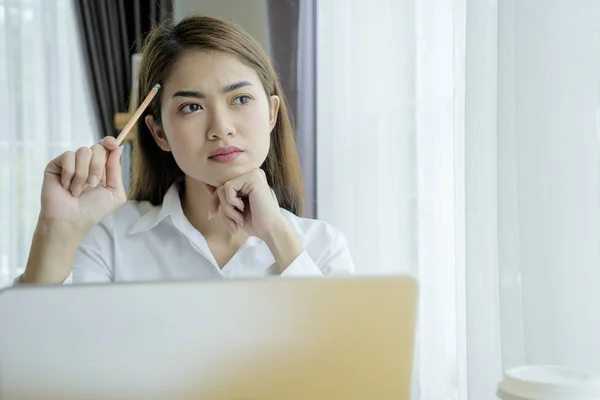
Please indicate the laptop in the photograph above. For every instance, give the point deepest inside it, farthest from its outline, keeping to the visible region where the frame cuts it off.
(301, 338)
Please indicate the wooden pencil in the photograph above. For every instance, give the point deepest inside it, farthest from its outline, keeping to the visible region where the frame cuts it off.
(137, 114)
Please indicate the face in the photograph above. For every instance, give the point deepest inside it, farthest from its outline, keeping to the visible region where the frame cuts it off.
(216, 118)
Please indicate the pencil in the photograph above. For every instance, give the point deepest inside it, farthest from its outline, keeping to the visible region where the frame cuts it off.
(137, 114)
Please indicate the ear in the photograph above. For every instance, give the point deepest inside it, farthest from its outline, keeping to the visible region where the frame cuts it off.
(274, 111)
(158, 133)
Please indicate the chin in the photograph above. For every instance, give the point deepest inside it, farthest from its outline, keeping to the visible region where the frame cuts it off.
(222, 175)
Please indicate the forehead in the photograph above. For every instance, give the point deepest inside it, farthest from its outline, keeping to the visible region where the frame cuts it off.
(206, 71)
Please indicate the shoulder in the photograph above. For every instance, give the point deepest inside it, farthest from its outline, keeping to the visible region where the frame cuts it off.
(95, 258)
(120, 222)
(115, 228)
(126, 216)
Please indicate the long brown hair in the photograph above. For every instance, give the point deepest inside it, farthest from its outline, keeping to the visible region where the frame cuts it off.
(155, 170)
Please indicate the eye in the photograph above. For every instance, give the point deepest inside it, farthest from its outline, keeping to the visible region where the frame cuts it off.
(190, 108)
(242, 100)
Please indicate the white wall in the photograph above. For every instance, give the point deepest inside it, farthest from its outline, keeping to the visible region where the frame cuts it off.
(250, 14)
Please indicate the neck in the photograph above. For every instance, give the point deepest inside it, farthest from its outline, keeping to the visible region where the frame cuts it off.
(195, 204)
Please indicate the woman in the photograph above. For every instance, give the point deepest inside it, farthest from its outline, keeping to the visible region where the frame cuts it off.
(216, 184)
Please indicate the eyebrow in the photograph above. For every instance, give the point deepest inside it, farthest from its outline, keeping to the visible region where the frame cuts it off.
(200, 95)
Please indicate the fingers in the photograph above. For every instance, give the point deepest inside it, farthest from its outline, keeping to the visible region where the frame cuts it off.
(245, 184)
(109, 143)
(66, 163)
(83, 157)
(97, 164)
(228, 209)
(232, 218)
(231, 225)
(227, 197)
(114, 176)
(232, 198)
(88, 167)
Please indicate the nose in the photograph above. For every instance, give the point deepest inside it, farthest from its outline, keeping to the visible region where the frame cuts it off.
(219, 125)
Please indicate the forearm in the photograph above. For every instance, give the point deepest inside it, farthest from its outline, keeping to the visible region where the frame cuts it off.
(52, 253)
(284, 245)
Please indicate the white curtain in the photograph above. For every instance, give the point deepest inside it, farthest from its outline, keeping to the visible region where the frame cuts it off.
(390, 85)
(549, 181)
(458, 141)
(45, 109)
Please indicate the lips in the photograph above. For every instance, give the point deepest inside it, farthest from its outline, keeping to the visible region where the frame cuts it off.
(225, 154)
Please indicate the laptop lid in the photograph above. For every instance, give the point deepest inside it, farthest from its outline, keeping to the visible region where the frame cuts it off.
(323, 338)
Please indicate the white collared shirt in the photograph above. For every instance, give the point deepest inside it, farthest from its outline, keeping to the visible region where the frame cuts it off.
(142, 242)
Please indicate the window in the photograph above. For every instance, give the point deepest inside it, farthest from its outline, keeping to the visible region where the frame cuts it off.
(45, 109)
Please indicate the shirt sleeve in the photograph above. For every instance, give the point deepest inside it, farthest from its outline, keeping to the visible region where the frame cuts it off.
(336, 262)
(93, 260)
(91, 264)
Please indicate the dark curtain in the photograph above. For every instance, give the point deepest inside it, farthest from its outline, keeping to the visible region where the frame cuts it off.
(283, 19)
(292, 47)
(111, 31)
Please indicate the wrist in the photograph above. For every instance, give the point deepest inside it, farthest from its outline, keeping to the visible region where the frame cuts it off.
(284, 244)
(280, 227)
(47, 227)
(52, 252)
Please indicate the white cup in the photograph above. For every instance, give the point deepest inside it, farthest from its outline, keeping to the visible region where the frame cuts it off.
(546, 382)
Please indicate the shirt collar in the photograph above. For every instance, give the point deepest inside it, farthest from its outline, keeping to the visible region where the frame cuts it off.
(171, 205)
